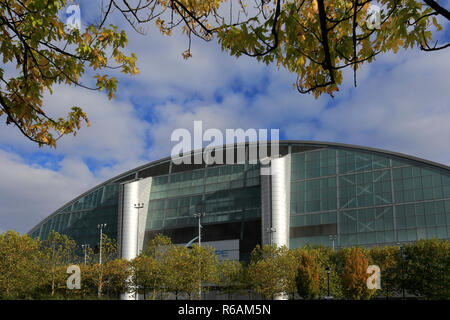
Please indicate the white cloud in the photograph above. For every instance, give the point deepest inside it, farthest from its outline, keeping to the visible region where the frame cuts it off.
(405, 109)
(29, 193)
(116, 134)
(115, 142)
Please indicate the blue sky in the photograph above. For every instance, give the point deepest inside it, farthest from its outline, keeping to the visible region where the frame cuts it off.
(402, 103)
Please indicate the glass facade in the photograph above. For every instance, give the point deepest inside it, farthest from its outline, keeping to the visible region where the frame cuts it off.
(365, 198)
(225, 193)
(79, 220)
(360, 196)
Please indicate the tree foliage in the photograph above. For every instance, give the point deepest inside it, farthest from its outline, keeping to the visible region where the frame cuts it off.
(316, 40)
(58, 252)
(19, 264)
(354, 273)
(34, 269)
(308, 275)
(147, 276)
(389, 260)
(157, 246)
(181, 274)
(109, 254)
(38, 52)
(231, 277)
(116, 275)
(427, 265)
(326, 258)
(272, 271)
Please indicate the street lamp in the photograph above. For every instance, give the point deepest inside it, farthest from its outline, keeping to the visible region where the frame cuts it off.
(332, 237)
(85, 247)
(199, 215)
(402, 268)
(101, 226)
(328, 269)
(271, 230)
(138, 206)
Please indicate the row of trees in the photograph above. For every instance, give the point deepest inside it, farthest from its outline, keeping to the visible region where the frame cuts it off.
(419, 269)
(33, 269)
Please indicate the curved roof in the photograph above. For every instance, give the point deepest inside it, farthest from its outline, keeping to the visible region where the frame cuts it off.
(306, 143)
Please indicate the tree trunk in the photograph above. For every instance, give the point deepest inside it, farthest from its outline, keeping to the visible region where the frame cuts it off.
(53, 283)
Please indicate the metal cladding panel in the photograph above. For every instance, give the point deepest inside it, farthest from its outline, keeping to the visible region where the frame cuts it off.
(275, 202)
(133, 193)
(265, 206)
(120, 220)
(280, 190)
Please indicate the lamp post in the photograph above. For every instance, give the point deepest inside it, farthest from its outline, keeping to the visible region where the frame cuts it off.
(389, 272)
(328, 269)
(138, 206)
(199, 215)
(271, 230)
(332, 238)
(402, 277)
(100, 226)
(85, 247)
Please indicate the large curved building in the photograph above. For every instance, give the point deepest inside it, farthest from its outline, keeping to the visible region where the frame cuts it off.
(316, 192)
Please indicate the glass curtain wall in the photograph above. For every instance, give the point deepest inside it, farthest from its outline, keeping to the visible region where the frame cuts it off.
(225, 193)
(366, 198)
(79, 220)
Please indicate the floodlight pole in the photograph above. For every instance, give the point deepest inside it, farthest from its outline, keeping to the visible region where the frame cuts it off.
(199, 216)
(138, 206)
(85, 246)
(402, 268)
(332, 237)
(271, 230)
(100, 226)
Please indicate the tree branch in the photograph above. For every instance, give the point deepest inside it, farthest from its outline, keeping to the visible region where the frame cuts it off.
(436, 7)
(326, 49)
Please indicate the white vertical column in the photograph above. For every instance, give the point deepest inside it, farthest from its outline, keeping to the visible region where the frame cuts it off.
(280, 189)
(129, 220)
(275, 201)
(133, 193)
(266, 205)
(275, 205)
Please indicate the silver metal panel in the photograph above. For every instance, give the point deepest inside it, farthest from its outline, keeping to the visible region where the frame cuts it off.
(288, 195)
(119, 220)
(132, 222)
(280, 189)
(275, 201)
(266, 206)
(133, 193)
